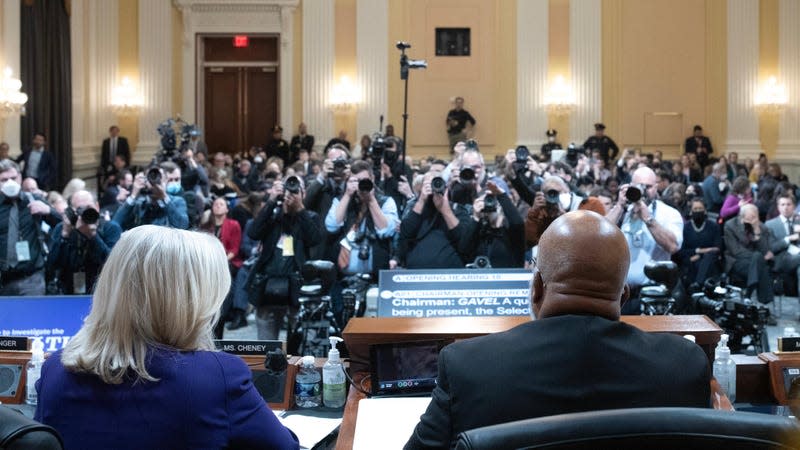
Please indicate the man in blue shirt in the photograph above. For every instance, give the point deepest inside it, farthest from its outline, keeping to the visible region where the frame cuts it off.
(150, 203)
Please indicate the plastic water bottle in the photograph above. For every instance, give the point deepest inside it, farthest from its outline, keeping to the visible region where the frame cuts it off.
(725, 368)
(34, 372)
(306, 385)
(333, 380)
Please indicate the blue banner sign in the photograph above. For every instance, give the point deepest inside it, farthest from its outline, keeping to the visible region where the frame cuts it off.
(53, 319)
(454, 293)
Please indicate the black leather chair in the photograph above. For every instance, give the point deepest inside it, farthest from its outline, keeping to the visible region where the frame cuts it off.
(642, 428)
(19, 432)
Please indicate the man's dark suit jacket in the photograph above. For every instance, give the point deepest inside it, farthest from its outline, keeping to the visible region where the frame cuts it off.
(690, 145)
(47, 169)
(122, 149)
(559, 365)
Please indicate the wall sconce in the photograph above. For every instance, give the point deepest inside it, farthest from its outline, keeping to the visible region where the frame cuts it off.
(559, 99)
(125, 99)
(771, 97)
(345, 96)
(12, 101)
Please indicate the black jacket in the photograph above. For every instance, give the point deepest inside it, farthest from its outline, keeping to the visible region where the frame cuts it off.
(305, 229)
(123, 149)
(505, 246)
(29, 230)
(690, 145)
(319, 198)
(426, 242)
(48, 170)
(608, 148)
(76, 253)
(559, 365)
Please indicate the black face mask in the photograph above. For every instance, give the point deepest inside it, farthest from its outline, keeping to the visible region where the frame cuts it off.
(698, 217)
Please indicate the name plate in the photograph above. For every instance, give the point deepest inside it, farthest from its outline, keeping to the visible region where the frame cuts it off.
(19, 344)
(789, 344)
(253, 348)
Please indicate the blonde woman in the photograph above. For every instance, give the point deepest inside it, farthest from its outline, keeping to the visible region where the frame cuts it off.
(142, 372)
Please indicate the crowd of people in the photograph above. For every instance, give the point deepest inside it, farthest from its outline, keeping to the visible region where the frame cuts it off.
(367, 209)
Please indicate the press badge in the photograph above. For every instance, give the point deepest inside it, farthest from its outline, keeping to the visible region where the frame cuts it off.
(79, 282)
(287, 245)
(23, 251)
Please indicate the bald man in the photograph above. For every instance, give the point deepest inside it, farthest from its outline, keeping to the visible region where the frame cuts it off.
(576, 356)
(81, 244)
(652, 228)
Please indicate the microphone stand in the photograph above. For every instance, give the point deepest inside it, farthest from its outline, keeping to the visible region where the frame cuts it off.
(404, 77)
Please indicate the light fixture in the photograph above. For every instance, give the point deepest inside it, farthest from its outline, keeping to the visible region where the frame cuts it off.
(125, 99)
(12, 101)
(345, 96)
(559, 99)
(771, 97)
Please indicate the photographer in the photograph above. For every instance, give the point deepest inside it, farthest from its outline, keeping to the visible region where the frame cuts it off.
(364, 221)
(329, 184)
(497, 231)
(551, 202)
(151, 204)
(653, 229)
(81, 244)
(524, 173)
(389, 169)
(287, 231)
(430, 230)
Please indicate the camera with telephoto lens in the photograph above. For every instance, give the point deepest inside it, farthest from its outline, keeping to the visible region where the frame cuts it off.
(87, 214)
(377, 149)
(292, 184)
(438, 185)
(154, 176)
(551, 196)
(481, 262)
(489, 204)
(522, 154)
(633, 194)
(365, 185)
(339, 166)
(466, 175)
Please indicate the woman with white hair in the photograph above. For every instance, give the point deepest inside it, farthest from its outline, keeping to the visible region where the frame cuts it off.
(142, 372)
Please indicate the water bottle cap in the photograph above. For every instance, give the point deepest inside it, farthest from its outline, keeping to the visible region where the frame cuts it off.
(689, 337)
(308, 359)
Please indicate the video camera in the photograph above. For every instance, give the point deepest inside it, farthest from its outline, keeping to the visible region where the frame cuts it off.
(725, 305)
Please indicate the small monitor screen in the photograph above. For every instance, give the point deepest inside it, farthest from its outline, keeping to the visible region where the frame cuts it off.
(405, 368)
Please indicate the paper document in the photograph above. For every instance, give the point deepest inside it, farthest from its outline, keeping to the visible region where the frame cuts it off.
(309, 429)
(387, 423)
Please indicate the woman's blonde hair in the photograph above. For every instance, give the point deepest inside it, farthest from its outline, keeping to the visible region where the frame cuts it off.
(160, 287)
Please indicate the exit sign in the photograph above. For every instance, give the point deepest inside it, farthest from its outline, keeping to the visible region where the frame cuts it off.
(240, 41)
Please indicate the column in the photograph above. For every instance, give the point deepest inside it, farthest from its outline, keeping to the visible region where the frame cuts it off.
(585, 57)
(743, 132)
(372, 65)
(99, 72)
(532, 61)
(286, 69)
(11, 58)
(789, 75)
(318, 49)
(155, 73)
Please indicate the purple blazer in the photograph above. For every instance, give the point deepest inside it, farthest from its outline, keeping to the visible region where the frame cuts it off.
(203, 400)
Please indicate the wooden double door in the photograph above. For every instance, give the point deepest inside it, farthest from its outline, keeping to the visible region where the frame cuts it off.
(240, 107)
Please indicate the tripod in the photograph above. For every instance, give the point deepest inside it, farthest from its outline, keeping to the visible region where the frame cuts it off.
(406, 64)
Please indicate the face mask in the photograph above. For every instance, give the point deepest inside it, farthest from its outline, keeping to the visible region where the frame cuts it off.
(698, 217)
(10, 188)
(565, 200)
(551, 139)
(258, 160)
(173, 187)
(722, 186)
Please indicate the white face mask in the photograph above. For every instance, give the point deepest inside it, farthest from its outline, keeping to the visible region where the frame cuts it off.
(551, 139)
(10, 188)
(258, 160)
(565, 199)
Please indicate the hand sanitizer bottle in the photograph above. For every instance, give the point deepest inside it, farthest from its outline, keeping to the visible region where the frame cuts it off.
(725, 368)
(34, 371)
(333, 380)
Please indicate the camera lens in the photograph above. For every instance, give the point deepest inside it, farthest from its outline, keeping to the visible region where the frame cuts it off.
(633, 194)
(551, 196)
(522, 154)
(292, 184)
(466, 174)
(365, 185)
(438, 185)
(339, 164)
(489, 203)
(154, 176)
(90, 216)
